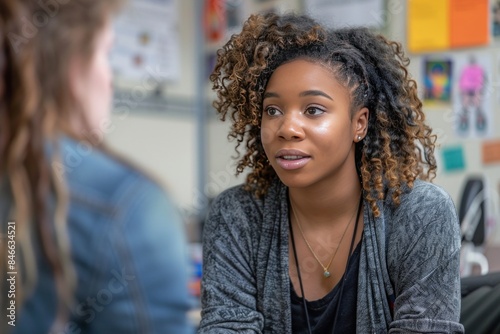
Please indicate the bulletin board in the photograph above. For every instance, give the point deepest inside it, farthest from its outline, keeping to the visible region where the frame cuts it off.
(457, 68)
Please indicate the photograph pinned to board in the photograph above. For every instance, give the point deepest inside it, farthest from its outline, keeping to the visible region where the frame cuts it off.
(438, 79)
(472, 95)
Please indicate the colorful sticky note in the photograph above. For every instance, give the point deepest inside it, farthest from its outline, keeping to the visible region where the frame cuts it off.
(491, 152)
(453, 158)
(435, 25)
(469, 23)
(428, 25)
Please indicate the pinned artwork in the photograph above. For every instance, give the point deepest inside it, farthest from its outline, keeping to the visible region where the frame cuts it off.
(437, 81)
(472, 101)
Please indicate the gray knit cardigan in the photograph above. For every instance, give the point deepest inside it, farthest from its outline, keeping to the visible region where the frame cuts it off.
(409, 278)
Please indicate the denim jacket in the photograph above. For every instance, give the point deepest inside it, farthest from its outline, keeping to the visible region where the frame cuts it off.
(128, 248)
(408, 279)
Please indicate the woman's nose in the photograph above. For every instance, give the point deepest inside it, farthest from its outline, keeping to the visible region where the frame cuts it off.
(291, 127)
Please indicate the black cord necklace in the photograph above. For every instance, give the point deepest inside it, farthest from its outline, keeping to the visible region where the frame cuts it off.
(306, 313)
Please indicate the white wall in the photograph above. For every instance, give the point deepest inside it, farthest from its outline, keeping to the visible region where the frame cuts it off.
(163, 146)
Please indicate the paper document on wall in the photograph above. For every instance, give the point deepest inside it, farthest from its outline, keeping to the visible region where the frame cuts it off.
(453, 158)
(147, 42)
(341, 13)
(469, 23)
(491, 152)
(428, 25)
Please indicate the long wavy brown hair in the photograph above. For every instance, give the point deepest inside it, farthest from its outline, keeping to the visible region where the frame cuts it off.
(399, 145)
(36, 106)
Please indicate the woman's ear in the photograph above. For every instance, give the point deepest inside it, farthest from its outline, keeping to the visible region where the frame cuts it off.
(360, 122)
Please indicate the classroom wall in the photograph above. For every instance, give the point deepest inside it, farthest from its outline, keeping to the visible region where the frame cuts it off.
(162, 138)
(165, 141)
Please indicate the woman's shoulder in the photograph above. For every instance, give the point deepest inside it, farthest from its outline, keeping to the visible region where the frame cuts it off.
(235, 194)
(239, 208)
(425, 196)
(236, 201)
(421, 207)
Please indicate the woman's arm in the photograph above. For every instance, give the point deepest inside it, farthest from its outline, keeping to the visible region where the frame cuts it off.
(228, 284)
(145, 289)
(427, 279)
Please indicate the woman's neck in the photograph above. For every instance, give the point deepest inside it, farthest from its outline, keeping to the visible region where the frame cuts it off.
(325, 204)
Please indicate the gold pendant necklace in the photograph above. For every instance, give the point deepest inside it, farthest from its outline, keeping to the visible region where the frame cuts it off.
(326, 272)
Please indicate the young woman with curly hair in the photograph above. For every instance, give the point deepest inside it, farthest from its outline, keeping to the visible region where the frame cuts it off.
(337, 228)
(89, 243)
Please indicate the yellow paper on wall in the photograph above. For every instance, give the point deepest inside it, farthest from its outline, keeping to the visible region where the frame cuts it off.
(428, 25)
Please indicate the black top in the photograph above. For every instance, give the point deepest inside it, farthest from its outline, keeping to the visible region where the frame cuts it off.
(322, 311)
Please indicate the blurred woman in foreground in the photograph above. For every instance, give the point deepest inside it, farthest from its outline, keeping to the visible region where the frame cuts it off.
(90, 244)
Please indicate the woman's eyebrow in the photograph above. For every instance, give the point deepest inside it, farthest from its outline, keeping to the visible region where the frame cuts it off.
(315, 93)
(270, 94)
(305, 93)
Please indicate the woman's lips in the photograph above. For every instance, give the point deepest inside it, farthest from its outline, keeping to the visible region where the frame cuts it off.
(291, 164)
(290, 159)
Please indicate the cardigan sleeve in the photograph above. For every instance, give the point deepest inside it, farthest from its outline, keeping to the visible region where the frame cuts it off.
(426, 269)
(228, 290)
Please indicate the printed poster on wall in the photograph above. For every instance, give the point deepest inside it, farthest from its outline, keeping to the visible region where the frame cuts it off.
(147, 42)
(473, 95)
(342, 13)
(437, 80)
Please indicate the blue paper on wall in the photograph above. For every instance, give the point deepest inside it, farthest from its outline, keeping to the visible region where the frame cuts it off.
(453, 158)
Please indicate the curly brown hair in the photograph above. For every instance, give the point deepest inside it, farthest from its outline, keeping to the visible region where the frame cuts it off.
(399, 145)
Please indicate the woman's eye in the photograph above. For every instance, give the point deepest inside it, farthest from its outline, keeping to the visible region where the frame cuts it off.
(271, 111)
(314, 111)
